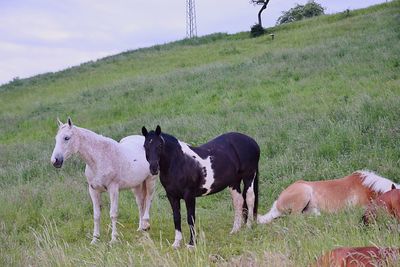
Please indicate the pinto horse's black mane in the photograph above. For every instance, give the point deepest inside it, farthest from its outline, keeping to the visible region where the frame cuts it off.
(172, 143)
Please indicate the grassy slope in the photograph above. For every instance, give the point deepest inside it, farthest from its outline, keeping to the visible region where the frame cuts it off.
(322, 100)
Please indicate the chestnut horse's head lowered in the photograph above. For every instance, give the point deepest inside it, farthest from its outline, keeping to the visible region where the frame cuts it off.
(388, 202)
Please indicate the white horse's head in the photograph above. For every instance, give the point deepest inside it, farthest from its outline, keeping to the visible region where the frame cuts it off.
(67, 143)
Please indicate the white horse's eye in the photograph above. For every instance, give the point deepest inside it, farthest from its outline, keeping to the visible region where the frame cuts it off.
(66, 138)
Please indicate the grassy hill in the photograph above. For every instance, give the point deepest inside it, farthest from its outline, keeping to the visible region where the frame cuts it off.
(322, 99)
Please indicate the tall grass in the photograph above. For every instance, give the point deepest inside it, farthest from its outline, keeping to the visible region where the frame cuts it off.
(322, 99)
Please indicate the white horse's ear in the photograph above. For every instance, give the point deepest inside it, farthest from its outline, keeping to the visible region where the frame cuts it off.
(70, 122)
(59, 123)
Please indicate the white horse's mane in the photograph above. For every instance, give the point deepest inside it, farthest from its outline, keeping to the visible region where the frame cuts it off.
(95, 135)
(90, 133)
(376, 182)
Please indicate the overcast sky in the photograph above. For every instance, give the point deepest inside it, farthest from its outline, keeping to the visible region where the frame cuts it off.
(38, 36)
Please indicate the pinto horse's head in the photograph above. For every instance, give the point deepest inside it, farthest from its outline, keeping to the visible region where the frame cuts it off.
(66, 143)
(153, 145)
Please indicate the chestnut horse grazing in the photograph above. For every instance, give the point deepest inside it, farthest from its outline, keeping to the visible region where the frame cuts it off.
(361, 256)
(359, 188)
(389, 201)
(110, 166)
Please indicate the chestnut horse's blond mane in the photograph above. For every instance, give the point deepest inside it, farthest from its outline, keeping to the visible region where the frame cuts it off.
(375, 182)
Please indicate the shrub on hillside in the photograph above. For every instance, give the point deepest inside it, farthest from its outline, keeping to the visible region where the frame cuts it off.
(256, 30)
(299, 12)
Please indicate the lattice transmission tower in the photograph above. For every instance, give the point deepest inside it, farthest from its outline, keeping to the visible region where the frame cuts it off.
(191, 28)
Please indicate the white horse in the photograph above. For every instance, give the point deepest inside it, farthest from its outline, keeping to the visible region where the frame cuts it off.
(110, 166)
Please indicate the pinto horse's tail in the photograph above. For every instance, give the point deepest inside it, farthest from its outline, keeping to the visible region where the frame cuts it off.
(255, 195)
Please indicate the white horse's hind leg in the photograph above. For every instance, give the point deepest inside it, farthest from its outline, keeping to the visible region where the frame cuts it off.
(96, 200)
(237, 200)
(113, 192)
(150, 188)
(140, 197)
(272, 214)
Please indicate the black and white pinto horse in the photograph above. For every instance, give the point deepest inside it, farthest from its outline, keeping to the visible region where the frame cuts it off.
(188, 172)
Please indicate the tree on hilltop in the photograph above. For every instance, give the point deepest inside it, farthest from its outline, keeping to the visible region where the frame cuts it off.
(264, 4)
(299, 12)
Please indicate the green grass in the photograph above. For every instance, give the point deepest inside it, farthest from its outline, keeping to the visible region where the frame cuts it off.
(322, 100)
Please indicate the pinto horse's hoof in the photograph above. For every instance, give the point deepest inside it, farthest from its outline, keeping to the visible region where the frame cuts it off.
(141, 229)
(190, 247)
(234, 231)
(176, 244)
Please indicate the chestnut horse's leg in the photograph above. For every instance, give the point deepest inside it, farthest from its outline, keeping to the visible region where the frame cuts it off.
(272, 214)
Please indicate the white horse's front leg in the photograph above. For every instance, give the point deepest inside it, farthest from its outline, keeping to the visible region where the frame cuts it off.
(113, 191)
(150, 188)
(139, 192)
(96, 200)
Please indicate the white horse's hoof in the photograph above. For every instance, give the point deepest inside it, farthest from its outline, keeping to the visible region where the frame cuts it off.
(145, 225)
(113, 241)
(94, 241)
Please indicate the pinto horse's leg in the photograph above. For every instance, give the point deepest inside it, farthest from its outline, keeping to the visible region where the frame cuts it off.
(113, 192)
(139, 192)
(150, 188)
(249, 200)
(191, 217)
(96, 200)
(176, 209)
(237, 200)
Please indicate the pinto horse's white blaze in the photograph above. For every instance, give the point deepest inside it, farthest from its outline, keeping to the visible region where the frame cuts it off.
(357, 189)
(205, 165)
